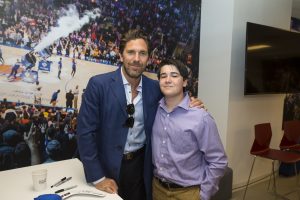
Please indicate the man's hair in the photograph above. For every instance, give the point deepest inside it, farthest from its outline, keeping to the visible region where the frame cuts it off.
(133, 35)
(182, 68)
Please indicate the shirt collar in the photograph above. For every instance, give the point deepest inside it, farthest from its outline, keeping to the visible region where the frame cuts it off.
(125, 82)
(183, 104)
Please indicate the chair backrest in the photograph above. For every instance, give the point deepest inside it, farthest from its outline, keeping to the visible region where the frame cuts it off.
(285, 143)
(292, 131)
(263, 135)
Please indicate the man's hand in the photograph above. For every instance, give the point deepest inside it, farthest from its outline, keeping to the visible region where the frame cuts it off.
(196, 103)
(107, 185)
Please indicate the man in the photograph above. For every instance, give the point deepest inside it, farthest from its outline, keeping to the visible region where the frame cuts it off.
(76, 93)
(14, 69)
(54, 97)
(38, 97)
(10, 113)
(186, 147)
(1, 57)
(54, 151)
(59, 67)
(69, 99)
(73, 67)
(115, 123)
(82, 94)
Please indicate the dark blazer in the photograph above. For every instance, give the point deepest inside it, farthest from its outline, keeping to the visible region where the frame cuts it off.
(101, 135)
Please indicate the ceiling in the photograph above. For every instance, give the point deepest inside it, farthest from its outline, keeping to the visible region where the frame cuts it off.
(296, 9)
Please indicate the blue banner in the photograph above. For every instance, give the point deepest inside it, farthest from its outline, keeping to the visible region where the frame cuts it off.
(44, 65)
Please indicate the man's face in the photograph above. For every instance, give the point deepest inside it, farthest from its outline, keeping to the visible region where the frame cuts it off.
(135, 58)
(171, 82)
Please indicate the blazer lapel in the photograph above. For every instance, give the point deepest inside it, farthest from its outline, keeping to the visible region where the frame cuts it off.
(118, 90)
(146, 95)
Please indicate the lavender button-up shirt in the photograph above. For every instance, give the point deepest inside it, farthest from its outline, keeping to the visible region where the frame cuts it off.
(187, 149)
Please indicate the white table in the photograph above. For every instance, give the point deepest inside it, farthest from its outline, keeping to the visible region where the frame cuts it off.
(17, 184)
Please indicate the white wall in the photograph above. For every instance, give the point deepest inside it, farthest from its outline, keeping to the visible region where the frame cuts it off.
(221, 78)
(215, 53)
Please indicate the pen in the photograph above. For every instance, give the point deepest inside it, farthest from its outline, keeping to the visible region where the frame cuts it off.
(68, 193)
(64, 178)
(61, 182)
(65, 189)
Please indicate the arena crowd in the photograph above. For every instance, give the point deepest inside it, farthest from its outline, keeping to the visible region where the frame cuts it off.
(31, 135)
(171, 26)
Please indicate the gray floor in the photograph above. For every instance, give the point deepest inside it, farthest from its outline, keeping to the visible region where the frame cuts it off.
(259, 191)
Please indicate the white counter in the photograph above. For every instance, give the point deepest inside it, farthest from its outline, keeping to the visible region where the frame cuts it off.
(17, 184)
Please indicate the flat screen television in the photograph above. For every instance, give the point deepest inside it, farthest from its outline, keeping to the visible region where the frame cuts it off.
(272, 62)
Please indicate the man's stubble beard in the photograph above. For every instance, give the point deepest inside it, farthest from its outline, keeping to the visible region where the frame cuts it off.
(132, 73)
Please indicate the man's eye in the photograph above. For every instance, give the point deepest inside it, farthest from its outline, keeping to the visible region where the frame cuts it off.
(143, 53)
(130, 52)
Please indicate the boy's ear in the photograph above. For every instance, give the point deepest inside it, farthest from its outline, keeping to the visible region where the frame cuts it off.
(185, 83)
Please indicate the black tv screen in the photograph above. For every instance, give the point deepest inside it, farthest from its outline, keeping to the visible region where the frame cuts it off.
(272, 64)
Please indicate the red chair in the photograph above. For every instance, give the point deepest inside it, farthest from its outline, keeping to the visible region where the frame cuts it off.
(291, 137)
(261, 148)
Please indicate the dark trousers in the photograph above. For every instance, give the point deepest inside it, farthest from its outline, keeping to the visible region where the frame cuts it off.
(14, 73)
(69, 104)
(73, 72)
(131, 185)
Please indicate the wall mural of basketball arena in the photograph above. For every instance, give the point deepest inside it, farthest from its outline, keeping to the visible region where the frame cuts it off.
(291, 108)
(48, 51)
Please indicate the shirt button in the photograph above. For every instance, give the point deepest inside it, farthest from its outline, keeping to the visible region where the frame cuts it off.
(162, 155)
(164, 142)
(168, 115)
(165, 128)
(160, 169)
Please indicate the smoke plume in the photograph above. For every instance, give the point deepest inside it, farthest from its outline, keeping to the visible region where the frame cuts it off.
(66, 24)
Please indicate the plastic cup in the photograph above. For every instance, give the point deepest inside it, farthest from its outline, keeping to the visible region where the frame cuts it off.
(39, 178)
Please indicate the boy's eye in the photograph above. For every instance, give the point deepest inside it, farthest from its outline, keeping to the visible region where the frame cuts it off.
(163, 75)
(174, 74)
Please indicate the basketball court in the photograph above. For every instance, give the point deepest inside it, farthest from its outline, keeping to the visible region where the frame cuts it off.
(19, 91)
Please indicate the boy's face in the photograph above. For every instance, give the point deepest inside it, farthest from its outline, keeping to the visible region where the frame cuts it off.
(171, 82)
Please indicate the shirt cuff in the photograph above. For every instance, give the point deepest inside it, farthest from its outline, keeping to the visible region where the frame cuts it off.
(98, 181)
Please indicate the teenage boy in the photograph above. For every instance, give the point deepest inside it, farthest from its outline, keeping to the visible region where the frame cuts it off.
(187, 152)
